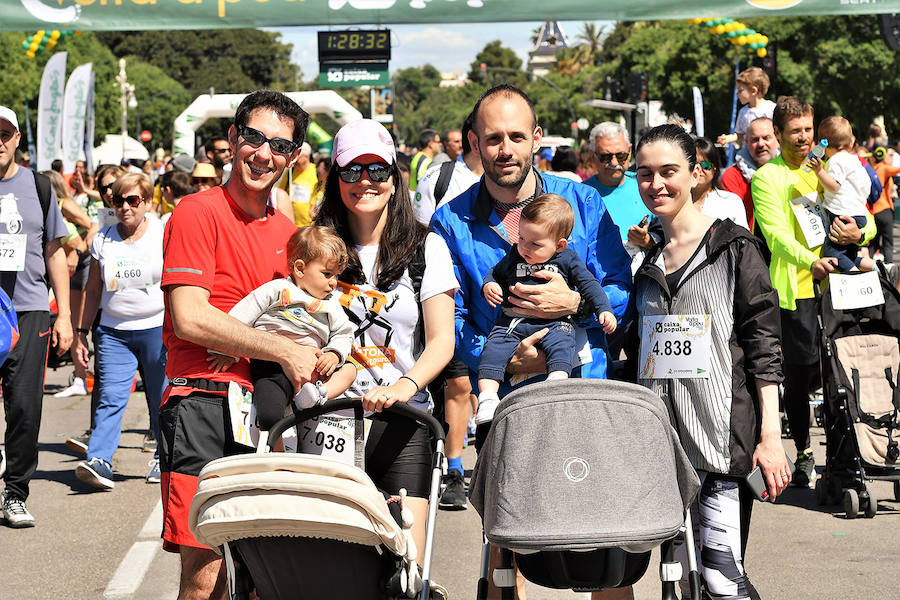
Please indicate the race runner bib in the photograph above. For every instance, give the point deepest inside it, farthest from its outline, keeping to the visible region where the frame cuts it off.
(331, 436)
(122, 272)
(12, 252)
(582, 357)
(675, 347)
(811, 218)
(242, 414)
(861, 290)
(106, 217)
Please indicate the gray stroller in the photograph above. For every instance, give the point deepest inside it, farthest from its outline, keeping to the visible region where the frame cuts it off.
(577, 481)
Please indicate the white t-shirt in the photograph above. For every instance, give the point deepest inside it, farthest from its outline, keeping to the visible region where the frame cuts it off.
(851, 199)
(134, 270)
(386, 321)
(747, 115)
(423, 201)
(720, 204)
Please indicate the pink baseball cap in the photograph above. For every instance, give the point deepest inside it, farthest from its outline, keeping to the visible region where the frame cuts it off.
(364, 136)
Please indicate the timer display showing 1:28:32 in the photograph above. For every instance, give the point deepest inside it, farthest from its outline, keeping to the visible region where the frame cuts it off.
(358, 40)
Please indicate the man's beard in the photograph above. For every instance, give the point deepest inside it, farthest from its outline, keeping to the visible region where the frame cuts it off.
(511, 180)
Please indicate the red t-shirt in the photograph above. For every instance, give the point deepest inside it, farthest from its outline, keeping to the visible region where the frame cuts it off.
(209, 242)
(733, 181)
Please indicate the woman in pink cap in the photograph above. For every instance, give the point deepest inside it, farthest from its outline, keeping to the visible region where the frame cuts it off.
(398, 290)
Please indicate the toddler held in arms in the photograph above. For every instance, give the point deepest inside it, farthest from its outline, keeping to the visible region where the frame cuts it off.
(544, 227)
(846, 189)
(301, 308)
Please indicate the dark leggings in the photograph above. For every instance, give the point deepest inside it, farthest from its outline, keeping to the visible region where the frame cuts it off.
(272, 392)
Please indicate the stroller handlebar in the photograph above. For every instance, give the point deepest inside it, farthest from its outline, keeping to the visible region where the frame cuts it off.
(400, 408)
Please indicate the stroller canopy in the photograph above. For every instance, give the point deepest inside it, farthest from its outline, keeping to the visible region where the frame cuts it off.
(582, 464)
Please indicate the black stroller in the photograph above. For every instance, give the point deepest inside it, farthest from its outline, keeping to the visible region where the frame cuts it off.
(860, 371)
(579, 479)
(301, 526)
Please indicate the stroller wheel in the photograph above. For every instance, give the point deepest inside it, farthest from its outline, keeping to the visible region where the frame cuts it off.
(437, 592)
(851, 503)
(897, 491)
(871, 505)
(821, 492)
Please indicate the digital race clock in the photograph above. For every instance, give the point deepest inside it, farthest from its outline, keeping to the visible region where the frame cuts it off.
(355, 44)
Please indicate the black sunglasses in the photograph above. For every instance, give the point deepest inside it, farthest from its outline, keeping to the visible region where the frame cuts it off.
(606, 157)
(224, 150)
(378, 172)
(103, 188)
(119, 201)
(256, 138)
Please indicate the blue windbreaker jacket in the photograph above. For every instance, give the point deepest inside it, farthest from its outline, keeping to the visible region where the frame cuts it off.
(473, 232)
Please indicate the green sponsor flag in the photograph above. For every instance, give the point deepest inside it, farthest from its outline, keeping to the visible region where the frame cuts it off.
(125, 15)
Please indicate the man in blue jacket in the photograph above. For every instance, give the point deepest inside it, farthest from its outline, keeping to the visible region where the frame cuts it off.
(481, 224)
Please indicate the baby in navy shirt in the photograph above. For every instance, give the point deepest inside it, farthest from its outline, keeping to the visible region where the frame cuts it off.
(544, 227)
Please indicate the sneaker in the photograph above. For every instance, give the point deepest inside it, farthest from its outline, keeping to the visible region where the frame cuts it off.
(487, 405)
(149, 444)
(805, 475)
(97, 473)
(153, 476)
(79, 443)
(78, 388)
(310, 395)
(15, 513)
(454, 495)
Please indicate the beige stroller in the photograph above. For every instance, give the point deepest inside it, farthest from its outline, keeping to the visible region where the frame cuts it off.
(301, 526)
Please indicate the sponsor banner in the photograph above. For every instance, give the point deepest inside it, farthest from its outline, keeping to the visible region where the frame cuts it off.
(75, 107)
(353, 74)
(50, 111)
(128, 15)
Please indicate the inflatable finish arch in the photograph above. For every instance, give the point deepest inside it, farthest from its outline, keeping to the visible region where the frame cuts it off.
(224, 105)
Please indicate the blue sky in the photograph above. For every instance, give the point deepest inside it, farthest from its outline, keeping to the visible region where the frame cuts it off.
(447, 47)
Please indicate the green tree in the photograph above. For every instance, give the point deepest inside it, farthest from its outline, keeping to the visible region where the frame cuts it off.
(496, 56)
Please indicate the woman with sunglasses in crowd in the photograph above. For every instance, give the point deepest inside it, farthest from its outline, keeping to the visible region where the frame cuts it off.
(709, 344)
(403, 339)
(126, 268)
(710, 199)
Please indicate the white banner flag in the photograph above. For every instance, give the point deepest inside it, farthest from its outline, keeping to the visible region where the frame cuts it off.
(73, 119)
(50, 111)
(89, 126)
(698, 112)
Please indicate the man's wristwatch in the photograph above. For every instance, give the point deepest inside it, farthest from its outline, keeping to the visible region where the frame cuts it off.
(862, 237)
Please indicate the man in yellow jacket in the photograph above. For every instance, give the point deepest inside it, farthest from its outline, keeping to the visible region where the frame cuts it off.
(780, 188)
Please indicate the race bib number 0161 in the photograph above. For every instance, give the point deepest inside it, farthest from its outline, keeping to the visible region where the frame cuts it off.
(849, 292)
(675, 347)
(811, 219)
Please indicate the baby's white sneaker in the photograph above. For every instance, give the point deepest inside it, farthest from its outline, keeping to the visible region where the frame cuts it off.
(310, 395)
(487, 405)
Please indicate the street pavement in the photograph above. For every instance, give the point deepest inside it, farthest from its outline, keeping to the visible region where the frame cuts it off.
(92, 545)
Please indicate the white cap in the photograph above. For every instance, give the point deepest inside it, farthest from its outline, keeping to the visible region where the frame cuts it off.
(7, 114)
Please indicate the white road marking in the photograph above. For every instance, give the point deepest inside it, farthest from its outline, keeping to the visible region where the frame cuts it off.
(131, 571)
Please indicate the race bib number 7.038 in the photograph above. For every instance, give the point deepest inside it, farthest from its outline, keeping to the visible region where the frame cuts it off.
(675, 347)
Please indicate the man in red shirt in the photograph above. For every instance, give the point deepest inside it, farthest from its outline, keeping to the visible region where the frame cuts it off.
(219, 245)
(761, 147)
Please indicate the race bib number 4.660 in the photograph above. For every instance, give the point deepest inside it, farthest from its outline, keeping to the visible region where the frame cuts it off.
(122, 272)
(675, 347)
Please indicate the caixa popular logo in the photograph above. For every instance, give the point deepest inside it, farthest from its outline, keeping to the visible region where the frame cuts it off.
(50, 14)
(773, 4)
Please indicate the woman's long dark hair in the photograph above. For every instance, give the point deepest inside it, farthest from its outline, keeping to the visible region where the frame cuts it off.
(401, 236)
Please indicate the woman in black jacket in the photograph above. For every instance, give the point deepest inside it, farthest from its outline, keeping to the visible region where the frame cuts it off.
(709, 345)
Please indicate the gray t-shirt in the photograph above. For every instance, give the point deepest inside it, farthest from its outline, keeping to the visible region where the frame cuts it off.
(20, 212)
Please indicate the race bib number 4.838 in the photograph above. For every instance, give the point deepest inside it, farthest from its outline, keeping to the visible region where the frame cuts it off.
(675, 347)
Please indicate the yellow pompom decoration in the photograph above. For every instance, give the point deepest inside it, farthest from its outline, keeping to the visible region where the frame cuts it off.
(761, 52)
